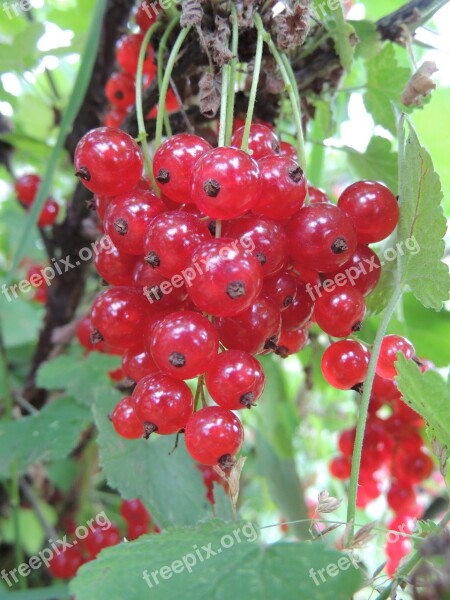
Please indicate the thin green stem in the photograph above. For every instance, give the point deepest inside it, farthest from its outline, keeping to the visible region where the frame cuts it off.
(5, 380)
(15, 505)
(410, 564)
(297, 108)
(223, 104)
(166, 81)
(162, 47)
(254, 88)
(171, 12)
(364, 408)
(232, 77)
(198, 392)
(142, 133)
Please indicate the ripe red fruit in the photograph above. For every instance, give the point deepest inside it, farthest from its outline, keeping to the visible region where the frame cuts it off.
(49, 213)
(229, 278)
(136, 529)
(316, 195)
(287, 149)
(127, 54)
(171, 240)
(373, 209)
(66, 564)
(146, 15)
(255, 330)
(291, 342)
(163, 403)
(283, 188)
(345, 363)
(321, 237)
(261, 142)
(341, 467)
(125, 421)
(114, 267)
(121, 90)
(183, 344)
(340, 313)
(299, 312)
(225, 183)
(100, 538)
(235, 380)
(281, 288)
(213, 436)
(127, 219)
(390, 345)
(134, 510)
(174, 162)
(401, 497)
(384, 390)
(362, 270)
(137, 363)
(115, 117)
(108, 161)
(369, 489)
(347, 441)
(158, 290)
(412, 466)
(27, 187)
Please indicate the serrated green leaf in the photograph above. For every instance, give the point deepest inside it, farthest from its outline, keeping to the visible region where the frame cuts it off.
(32, 534)
(422, 220)
(428, 394)
(243, 570)
(386, 80)
(47, 436)
(59, 592)
(378, 162)
(369, 38)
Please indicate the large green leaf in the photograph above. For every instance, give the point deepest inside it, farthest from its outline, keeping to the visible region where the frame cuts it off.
(47, 436)
(378, 162)
(422, 220)
(238, 570)
(21, 319)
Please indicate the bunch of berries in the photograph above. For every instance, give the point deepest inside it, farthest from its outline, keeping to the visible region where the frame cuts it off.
(27, 187)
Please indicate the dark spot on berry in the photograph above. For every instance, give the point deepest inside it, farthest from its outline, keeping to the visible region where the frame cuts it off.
(149, 428)
(104, 283)
(226, 461)
(121, 226)
(358, 388)
(282, 351)
(118, 94)
(177, 359)
(96, 337)
(276, 146)
(236, 289)
(339, 246)
(295, 174)
(212, 228)
(261, 257)
(152, 259)
(212, 188)
(163, 176)
(357, 326)
(247, 399)
(271, 343)
(83, 173)
(287, 301)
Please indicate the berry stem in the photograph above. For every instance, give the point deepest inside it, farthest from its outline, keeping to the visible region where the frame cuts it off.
(364, 408)
(223, 104)
(199, 394)
(162, 46)
(166, 81)
(142, 133)
(232, 76)
(254, 88)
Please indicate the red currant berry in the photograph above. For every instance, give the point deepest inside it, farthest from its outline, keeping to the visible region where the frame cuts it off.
(134, 510)
(340, 313)
(373, 209)
(284, 188)
(368, 490)
(174, 162)
(255, 330)
(213, 436)
(136, 529)
(146, 15)
(281, 288)
(362, 271)
(347, 441)
(300, 311)
(127, 54)
(101, 205)
(125, 421)
(117, 375)
(65, 564)
(261, 142)
(84, 333)
(115, 117)
(287, 149)
(412, 467)
(137, 363)
(345, 363)
(183, 344)
(100, 538)
(225, 183)
(121, 90)
(114, 267)
(27, 187)
(224, 278)
(235, 380)
(384, 390)
(400, 497)
(163, 404)
(108, 161)
(49, 213)
(390, 345)
(395, 551)
(341, 467)
(321, 237)
(291, 342)
(317, 196)
(158, 290)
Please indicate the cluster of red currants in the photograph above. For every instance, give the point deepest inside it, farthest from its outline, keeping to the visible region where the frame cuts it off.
(394, 458)
(27, 187)
(65, 564)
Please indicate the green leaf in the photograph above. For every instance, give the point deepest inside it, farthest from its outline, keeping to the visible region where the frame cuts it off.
(49, 435)
(32, 534)
(428, 394)
(240, 571)
(168, 483)
(369, 38)
(385, 83)
(378, 162)
(22, 53)
(59, 592)
(422, 221)
(21, 320)
(339, 28)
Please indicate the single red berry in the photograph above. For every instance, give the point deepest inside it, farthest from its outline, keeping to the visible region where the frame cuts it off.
(100, 538)
(287, 149)
(281, 288)
(235, 380)
(146, 14)
(373, 209)
(27, 187)
(135, 530)
(369, 489)
(390, 345)
(214, 436)
(283, 188)
(362, 271)
(384, 390)
(49, 213)
(101, 204)
(317, 196)
(66, 563)
(183, 344)
(115, 268)
(117, 375)
(125, 421)
(395, 551)
(262, 141)
(347, 441)
(400, 497)
(340, 313)
(174, 162)
(121, 90)
(115, 117)
(225, 183)
(345, 363)
(127, 54)
(163, 404)
(137, 363)
(321, 237)
(412, 467)
(108, 161)
(341, 467)
(291, 342)
(159, 291)
(300, 310)
(84, 333)
(134, 510)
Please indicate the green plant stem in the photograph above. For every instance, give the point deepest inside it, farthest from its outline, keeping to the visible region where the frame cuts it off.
(15, 505)
(223, 104)
(75, 102)
(171, 12)
(232, 75)
(410, 564)
(162, 47)
(5, 380)
(254, 88)
(198, 392)
(316, 160)
(166, 81)
(88, 466)
(364, 407)
(142, 133)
